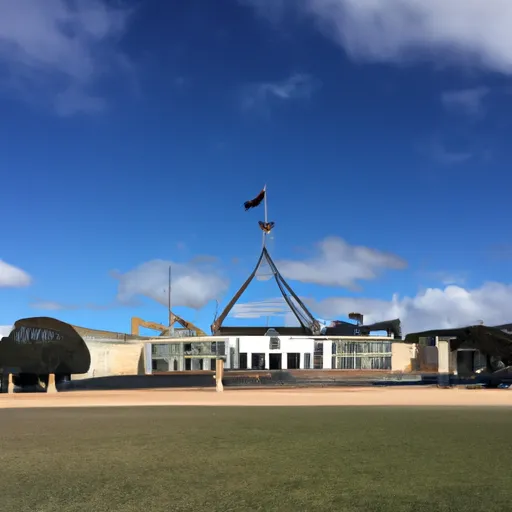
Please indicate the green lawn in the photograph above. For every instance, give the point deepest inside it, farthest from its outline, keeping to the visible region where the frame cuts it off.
(282, 459)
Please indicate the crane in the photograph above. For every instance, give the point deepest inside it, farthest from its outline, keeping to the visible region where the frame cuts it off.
(137, 323)
(173, 317)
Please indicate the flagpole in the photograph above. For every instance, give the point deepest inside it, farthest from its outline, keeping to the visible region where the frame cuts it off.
(266, 214)
(265, 199)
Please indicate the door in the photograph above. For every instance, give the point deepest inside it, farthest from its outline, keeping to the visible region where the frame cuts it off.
(293, 360)
(275, 361)
(258, 361)
(465, 362)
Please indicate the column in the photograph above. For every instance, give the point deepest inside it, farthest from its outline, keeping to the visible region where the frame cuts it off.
(443, 362)
(51, 388)
(219, 373)
(148, 358)
(327, 355)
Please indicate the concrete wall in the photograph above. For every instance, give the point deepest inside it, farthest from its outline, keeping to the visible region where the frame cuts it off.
(410, 357)
(403, 357)
(427, 358)
(111, 358)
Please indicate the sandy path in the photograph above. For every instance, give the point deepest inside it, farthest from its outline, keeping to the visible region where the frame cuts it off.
(280, 397)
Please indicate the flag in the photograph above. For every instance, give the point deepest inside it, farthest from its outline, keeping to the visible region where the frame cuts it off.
(256, 201)
(266, 226)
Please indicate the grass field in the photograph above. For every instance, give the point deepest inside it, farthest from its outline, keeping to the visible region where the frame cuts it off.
(234, 458)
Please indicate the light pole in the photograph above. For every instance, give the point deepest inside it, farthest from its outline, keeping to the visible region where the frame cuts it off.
(171, 324)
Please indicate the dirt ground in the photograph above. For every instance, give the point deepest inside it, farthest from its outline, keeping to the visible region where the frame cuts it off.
(412, 396)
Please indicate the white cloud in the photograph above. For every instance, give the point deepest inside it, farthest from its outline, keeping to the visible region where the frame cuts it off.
(452, 306)
(294, 87)
(5, 330)
(268, 308)
(259, 309)
(60, 49)
(451, 31)
(49, 305)
(13, 277)
(339, 264)
(194, 284)
(466, 101)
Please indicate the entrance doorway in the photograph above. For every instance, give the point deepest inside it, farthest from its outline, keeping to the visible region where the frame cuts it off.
(293, 361)
(275, 361)
(465, 362)
(258, 361)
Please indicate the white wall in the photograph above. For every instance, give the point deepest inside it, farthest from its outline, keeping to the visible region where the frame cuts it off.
(261, 344)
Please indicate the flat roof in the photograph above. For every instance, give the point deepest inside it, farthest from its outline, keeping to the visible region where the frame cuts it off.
(202, 339)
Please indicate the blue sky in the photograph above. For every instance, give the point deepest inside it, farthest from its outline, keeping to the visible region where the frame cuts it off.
(132, 132)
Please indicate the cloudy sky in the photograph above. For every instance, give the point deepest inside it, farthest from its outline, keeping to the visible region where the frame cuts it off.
(132, 132)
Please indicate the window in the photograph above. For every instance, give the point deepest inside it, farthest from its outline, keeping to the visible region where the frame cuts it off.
(362, 355)
(318, 357)
(243, 361)
(275, 343)
(307, 361)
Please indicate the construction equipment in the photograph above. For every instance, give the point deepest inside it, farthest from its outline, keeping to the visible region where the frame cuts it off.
(137, 323)
(173, 317)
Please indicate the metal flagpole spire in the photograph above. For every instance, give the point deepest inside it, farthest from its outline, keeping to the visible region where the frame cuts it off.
(266, 215)
(171, 323)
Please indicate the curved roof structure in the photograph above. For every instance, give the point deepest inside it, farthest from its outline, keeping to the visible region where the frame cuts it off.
(44, 345)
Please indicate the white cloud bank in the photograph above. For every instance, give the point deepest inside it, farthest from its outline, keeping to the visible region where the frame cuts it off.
(473, 32)
(451, 306)
(258, 309)
(5, 330)
(13, 277)
(338, 263)
(60, 50)
(194, 284)
(433, 308)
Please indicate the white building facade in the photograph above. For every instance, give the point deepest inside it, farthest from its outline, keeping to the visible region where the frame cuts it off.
(269, 352)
